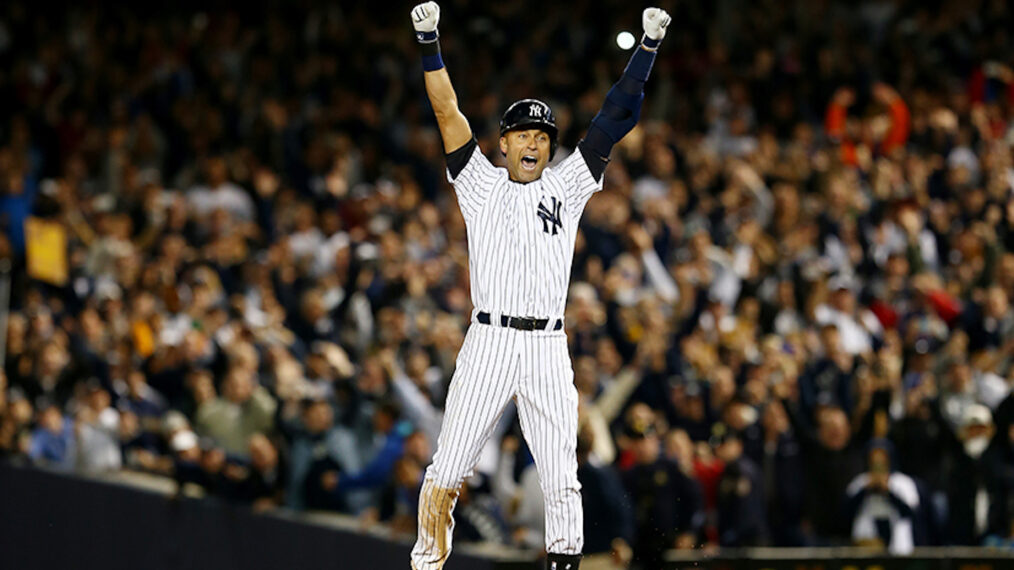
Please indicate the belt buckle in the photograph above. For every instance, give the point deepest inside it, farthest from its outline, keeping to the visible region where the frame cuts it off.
(527, 323)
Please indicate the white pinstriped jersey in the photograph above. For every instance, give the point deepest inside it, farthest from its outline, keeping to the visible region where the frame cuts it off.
(521, 235)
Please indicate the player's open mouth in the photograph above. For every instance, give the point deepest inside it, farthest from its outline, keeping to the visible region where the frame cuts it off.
(528, 162)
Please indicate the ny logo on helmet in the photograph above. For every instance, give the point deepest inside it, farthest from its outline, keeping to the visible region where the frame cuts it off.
(535, 111)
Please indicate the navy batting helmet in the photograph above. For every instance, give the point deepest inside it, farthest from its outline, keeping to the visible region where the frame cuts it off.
(530, 114)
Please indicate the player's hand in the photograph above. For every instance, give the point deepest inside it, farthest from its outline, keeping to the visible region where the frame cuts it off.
(655, 20)
(425, 17)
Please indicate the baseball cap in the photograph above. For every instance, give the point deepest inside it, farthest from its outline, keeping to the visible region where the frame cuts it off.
(183, 440)
(841, 281)
(174, 421)
(976, 415)
(640, 428)
(721, 433)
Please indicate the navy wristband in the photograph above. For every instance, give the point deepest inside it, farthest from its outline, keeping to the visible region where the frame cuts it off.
(431, 54)
(427, 37)
(432, 62)
(650, 43)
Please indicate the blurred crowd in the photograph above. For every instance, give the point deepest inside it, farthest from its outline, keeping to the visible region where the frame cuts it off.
(790, 314)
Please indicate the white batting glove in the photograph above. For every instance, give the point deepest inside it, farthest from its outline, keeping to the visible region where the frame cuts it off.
(425, 18)
(655, 21)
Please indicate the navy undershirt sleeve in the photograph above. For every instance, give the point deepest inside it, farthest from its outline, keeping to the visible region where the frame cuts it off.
(457, 159)
(595, 155)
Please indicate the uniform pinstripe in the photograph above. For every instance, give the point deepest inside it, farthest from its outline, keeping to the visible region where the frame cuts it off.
(519, 265)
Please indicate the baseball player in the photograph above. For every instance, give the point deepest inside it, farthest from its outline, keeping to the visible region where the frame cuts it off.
(521, 223)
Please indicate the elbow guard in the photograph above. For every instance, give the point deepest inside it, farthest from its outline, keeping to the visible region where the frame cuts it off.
(618, 115)
(620, 112)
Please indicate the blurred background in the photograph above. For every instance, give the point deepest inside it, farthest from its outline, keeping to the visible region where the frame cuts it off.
(234, 270)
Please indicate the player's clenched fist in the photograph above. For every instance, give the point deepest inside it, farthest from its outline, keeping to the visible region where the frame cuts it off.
(425, 17)
(655, 21)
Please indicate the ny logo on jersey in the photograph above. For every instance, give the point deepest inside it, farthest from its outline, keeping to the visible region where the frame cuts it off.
(535, 111)
(550, 216)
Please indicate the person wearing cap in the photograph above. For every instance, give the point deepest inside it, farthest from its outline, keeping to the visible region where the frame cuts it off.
(740, 500)
(856, 325)
(741, 418)
(667, 504)
(974, 490)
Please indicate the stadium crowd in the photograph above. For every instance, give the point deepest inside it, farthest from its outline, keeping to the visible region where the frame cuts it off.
(790, 317)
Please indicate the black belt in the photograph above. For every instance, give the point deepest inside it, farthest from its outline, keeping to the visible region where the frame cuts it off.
(520, 323)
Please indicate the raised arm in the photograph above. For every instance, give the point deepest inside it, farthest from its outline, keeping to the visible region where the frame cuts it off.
(454, 129)
(622, 107)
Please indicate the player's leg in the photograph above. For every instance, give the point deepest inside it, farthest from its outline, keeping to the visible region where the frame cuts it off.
(547, 408)
(484, 381)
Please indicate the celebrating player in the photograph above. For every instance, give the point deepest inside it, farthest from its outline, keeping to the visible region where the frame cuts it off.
(521, 223)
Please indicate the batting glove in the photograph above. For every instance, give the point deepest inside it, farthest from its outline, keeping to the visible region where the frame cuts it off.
(654, 21)
(424, 19)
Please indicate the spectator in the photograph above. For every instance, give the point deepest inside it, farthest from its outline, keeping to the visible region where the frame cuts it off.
(974, 490)
(316, 445)
(243, 410)
(98, 432)
(399, 504)
(784, 478)
(834, 456)
(608, 519)
(52, 378)
(265, 484)
(376, 470)
(479, 518)
(52, 443)
(742, 520)
(666, 503)
(241, 207)
(524, 507)
(883, 504)
(218, 193)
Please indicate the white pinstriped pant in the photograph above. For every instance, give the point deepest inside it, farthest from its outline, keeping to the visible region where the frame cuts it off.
(496, 364)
